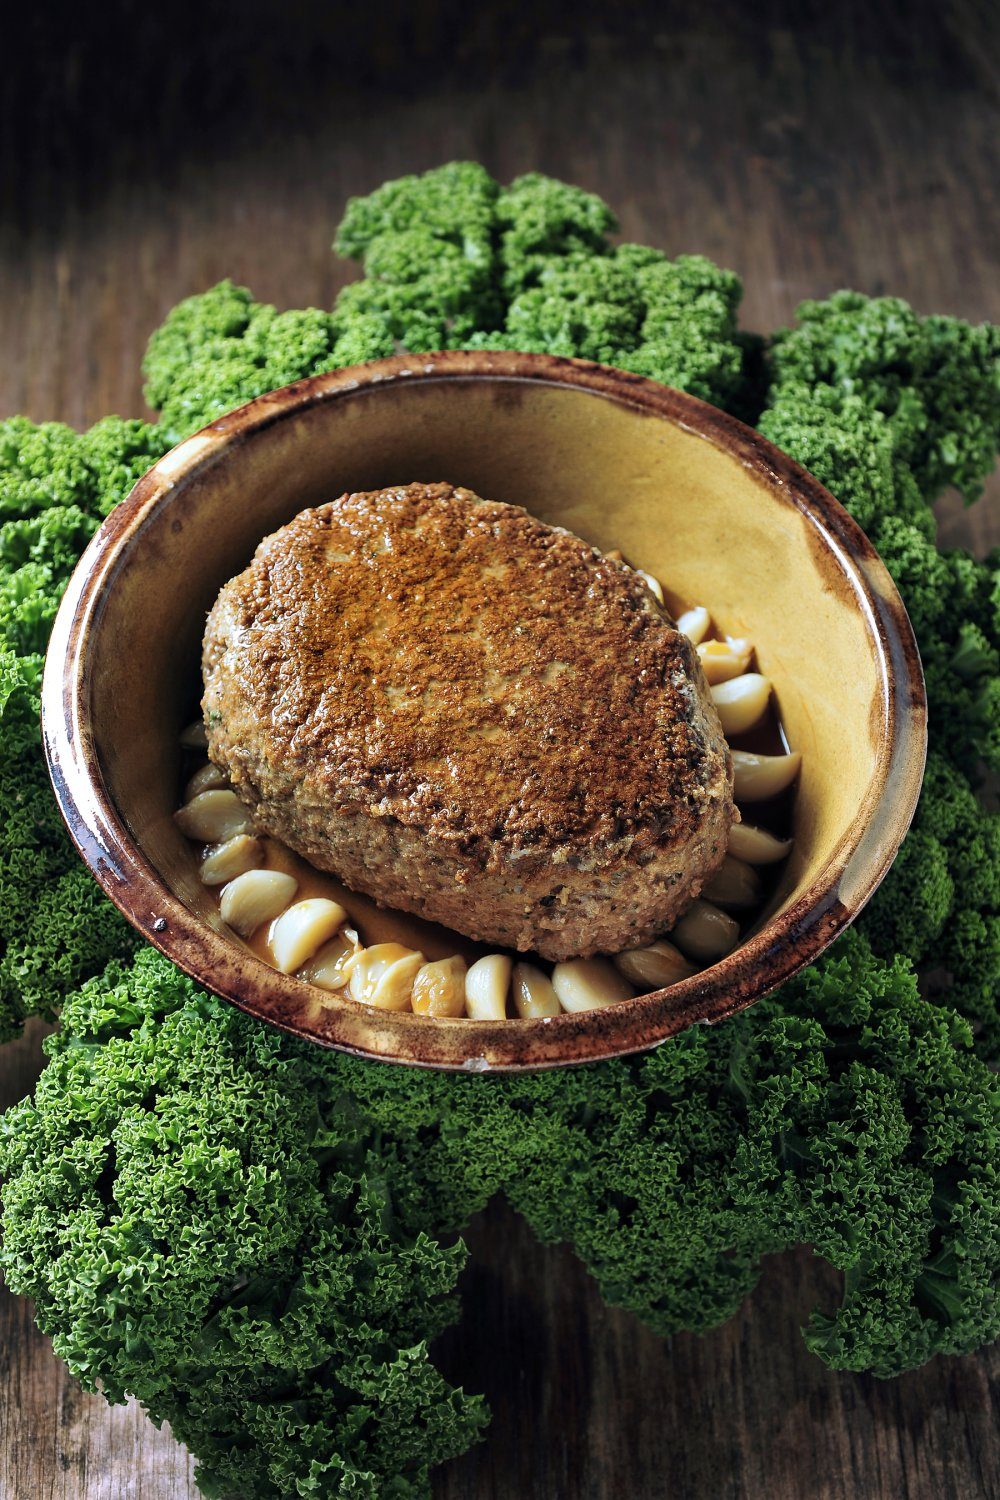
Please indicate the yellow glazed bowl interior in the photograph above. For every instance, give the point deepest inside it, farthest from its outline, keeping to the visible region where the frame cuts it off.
(685, 492)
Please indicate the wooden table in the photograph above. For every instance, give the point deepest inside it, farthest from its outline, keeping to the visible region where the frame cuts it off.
(850, 149)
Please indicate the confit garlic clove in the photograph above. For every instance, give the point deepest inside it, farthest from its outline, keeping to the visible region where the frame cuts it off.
(704, 932)
(741, 702)
(301, 930)
(655, 967)
(205, 780)
(224, 862)
(331, 967)
(213, 817)
(758, 777)
(734, 884)
(589, 984)
(195, 736)
(721, 660)
(439, 988)
(254, 898)
(756, 846)
(383, 976)
(486, 986)
(695, 624)
(534, 995)
(653, 584)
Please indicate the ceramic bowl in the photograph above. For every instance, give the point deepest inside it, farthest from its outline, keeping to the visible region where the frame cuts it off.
(685, 492)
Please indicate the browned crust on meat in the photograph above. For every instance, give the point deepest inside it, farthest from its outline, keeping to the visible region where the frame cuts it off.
(454, 670)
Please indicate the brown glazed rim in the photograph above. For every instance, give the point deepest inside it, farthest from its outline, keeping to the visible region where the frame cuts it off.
(790, 940)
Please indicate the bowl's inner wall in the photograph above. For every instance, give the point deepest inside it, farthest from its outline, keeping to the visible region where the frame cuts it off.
(711, 529)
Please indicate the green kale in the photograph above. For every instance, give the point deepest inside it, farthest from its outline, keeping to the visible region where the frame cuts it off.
(219, 1239)
(850, 447)
(201, 1208)
(948, 598)
(452, 261)
(425, 292)
(875, 1137)
(429, 257)
(56, 929)
(200, 327)
(454, 203)
(908, 912)
(688, 336)
(455, 263)
(591, 308)
(844, 1113)
(243, 1231)
(948, 868)
(858, 397)
(936, 379)
(52, 538)
(117, 452)
(919, 571)
(51, 465)
(221, 348)
(29, 598)
(967, 976)
(960, 389)
(673, 321)
(40, 466)
(544, 224)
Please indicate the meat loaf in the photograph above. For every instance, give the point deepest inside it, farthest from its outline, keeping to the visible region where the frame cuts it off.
(470, 715)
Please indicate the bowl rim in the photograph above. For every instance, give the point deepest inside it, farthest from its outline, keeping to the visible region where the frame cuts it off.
(787, 942)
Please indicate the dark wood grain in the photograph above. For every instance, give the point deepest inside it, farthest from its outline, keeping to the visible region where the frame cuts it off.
(590, 1405)
(152, 153)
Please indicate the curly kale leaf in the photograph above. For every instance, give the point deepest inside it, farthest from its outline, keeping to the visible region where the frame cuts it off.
(850, 447)
(544, 224)
(936, 379)
(451, 261)
(202, 1224)
(950, 862)
(202, 1209)
(48, 464)
(221, 348)
(56, 929)
(885, 408)
(872, 1135)
(454, 203)
(427, 245)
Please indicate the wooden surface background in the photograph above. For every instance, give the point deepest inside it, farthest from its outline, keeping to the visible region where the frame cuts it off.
(152, 152)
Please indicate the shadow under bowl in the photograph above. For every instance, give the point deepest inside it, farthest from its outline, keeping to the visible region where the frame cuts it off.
(684, 491)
